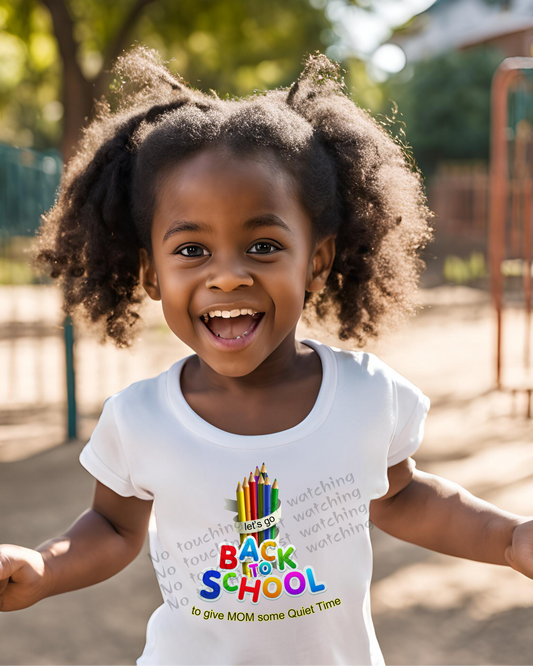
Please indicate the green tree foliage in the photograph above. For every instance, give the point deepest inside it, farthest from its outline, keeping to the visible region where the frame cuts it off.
(54, 53)
(30, 74)
(444, 107)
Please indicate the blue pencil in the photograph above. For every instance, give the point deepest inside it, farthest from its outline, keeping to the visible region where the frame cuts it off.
(256, 477)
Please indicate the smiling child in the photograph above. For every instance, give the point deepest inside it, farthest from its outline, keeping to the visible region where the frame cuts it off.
(266, 460)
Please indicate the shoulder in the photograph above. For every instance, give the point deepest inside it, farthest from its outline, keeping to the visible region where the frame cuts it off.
(146, 395)
(365, 364)
(378, 382)
(370, 365)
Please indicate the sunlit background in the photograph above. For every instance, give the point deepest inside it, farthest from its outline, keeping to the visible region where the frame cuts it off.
(423, 69)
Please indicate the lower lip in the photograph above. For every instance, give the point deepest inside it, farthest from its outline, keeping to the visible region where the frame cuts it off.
(233, 344)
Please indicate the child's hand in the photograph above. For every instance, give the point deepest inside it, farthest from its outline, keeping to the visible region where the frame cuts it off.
(24, 577)
(520, 553)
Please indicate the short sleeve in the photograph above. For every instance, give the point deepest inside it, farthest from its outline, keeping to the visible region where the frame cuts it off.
(411, 408)
(103, 456)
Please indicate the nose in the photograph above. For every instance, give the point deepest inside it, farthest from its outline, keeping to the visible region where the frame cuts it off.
(228, 274)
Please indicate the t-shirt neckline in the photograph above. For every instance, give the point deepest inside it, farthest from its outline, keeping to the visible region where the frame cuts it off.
(312, 421)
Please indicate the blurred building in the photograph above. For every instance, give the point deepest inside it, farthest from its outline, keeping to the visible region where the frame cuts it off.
(450, 25)
(458, 191)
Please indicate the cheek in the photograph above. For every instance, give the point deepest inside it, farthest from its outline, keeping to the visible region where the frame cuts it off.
(176, 288)
(287, 288)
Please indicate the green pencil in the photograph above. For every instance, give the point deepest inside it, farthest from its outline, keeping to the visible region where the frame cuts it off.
(260, 485)
(274, 505)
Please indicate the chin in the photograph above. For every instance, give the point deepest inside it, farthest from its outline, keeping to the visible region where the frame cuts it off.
(232, 367)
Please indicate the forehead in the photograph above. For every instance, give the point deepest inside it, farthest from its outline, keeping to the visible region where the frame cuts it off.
(215, 181)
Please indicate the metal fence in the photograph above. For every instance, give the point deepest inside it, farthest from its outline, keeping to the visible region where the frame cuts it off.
(459, 195)
(29, 183)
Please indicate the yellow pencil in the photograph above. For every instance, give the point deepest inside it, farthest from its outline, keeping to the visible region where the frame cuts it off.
(242, 517)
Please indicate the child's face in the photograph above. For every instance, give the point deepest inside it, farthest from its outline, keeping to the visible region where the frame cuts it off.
(221, 263)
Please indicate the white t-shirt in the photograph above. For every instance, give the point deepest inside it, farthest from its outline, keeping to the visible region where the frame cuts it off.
(151, 444)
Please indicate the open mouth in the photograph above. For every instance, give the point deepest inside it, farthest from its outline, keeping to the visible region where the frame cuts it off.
(232, 328)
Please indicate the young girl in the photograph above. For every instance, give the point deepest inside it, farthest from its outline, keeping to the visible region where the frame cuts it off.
(240, 215)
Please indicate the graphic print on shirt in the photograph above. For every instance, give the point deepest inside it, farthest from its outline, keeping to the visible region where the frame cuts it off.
(260, 568)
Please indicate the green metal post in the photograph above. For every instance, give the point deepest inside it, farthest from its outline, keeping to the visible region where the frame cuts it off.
(71, 386)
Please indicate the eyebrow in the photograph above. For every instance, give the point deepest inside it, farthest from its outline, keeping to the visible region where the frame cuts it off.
(257, 222)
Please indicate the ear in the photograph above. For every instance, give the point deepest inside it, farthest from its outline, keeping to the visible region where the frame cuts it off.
(148, 276)
(320, 264)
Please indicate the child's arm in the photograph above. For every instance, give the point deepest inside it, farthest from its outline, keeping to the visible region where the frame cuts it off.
(102, 542)
(441, 515)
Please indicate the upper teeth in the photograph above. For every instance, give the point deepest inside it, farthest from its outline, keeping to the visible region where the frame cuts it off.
(229, 313)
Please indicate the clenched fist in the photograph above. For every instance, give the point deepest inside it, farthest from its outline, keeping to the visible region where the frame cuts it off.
(24, 577)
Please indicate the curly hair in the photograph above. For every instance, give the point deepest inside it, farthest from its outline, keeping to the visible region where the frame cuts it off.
(351, 176)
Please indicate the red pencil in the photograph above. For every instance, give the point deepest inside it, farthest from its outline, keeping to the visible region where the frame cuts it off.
(253, 502)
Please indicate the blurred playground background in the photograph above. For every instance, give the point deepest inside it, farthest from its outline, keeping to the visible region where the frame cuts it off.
(426, 70)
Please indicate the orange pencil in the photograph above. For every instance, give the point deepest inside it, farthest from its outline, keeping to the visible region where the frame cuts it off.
(247, 504)
(242, 517)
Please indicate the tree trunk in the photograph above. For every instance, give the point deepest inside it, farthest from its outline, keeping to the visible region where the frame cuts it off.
(78, 108)
(79, 93)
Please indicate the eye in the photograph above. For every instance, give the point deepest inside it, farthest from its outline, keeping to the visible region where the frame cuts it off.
(268, 245)
(190, 247)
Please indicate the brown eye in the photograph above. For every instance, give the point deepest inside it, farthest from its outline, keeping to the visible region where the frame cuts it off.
(190, 247)
(263, 244)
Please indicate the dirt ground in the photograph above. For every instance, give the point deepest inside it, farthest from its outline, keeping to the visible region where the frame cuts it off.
(428, 608)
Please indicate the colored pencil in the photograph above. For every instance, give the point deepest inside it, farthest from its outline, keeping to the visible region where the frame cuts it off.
(247, 504)
(242, 517)
(260, 513)
(257, 474)
(268, 489)
(262, 474)
(253, 502)
(274, 505)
